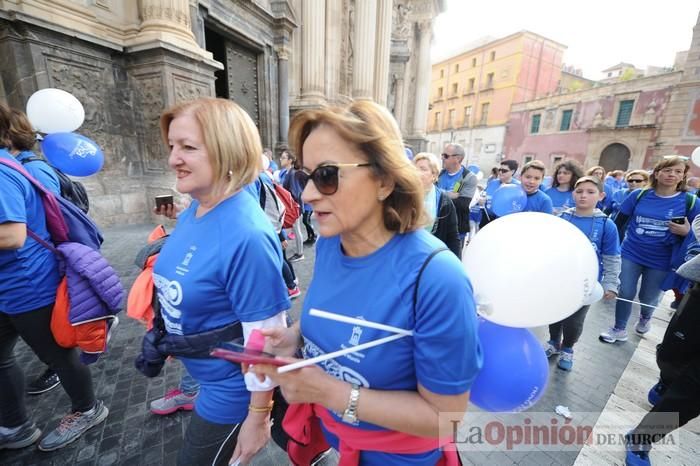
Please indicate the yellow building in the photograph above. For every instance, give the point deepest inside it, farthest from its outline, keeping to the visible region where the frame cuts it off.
(471, 93)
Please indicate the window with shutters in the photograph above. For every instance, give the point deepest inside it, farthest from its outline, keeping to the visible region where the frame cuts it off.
(471, 84)
(484, 113)
(467, 115)
(535, 125)
(566, 120)
(624, 114)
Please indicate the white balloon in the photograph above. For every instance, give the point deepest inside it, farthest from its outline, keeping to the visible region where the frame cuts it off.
(480, 175)
(595, 295)
(55, 111)
(695, 157)
(530, 269)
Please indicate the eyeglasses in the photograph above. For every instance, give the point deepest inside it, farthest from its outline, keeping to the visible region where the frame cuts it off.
(682, 157)
(325, 177)
(635, 181)
(447, 156)
(503, 170)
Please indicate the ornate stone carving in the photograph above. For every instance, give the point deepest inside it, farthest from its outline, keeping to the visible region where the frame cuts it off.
(401, 26)
(150, 91)
(186, 89)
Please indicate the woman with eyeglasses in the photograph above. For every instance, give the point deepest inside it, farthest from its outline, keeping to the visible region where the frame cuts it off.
(374, 261)
(635, 179)
(655, 221)
(566, 174)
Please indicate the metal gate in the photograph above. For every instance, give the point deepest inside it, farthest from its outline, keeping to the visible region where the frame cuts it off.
(242, 76)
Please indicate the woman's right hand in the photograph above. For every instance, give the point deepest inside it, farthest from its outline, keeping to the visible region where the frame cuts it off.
(282, 341)
(168, 210)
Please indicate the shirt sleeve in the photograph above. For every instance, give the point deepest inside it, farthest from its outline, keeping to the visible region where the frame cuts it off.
(253, 277)
(547, 206)
(447, 353)
(12, 203)
(468, 187)
(627, 206)
(611, 240)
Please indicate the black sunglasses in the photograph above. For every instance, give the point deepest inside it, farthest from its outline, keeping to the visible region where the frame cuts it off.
(635, 181)
(325, 177)
(504, 170)
(447, 156)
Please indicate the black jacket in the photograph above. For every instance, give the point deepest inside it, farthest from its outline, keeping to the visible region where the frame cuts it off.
(445, 226)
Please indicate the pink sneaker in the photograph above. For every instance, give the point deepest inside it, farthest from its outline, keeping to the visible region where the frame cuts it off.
(294, 292)
(173, 401)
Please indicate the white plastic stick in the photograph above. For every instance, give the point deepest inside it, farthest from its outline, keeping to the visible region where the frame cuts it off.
(636, 302)
(335, 354)
(361, 322)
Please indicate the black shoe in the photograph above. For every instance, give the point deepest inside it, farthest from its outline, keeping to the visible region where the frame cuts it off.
(45, 382)
(310, 241)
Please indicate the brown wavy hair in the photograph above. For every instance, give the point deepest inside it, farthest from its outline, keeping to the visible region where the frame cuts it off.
(372, 129)
(570, 165)
(666, 162)
(22, 135)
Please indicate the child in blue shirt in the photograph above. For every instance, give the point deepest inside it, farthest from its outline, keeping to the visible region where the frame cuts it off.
(603, 236)
(531, 178)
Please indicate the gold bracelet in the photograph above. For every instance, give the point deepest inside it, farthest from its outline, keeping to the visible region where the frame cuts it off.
(261, 409)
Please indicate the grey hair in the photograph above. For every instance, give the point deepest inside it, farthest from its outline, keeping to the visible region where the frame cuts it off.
(459, 150)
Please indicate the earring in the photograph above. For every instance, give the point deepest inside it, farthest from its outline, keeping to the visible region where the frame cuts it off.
(380, 198)
(230, 174)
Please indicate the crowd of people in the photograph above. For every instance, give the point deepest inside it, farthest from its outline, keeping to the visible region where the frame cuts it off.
(389, 237)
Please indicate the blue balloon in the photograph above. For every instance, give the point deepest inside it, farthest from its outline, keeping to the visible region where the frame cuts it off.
(408, 152)
(508, 199)
(515, 370)
(73, 154)
(474, 169)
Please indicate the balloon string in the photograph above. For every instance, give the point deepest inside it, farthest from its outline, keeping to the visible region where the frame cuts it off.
(636, 302)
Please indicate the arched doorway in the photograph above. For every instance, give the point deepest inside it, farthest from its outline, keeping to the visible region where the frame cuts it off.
(616, 156)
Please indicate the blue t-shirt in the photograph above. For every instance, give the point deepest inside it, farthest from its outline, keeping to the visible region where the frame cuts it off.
(560, 200)
(648, 241)
(444, 355)
(28, 275)
(215, 270)
(538, 202)
(450, 183)
(41, 170)
(602, 233)
(617, 198)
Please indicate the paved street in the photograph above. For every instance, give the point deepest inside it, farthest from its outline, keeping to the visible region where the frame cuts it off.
(133, 436)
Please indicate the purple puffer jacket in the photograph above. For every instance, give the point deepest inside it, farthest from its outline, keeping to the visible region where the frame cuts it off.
(94, 289)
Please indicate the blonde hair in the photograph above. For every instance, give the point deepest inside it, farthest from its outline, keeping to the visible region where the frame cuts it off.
(229, 135)
(643, 173)
(373, 131)
(534, 165)
(669, 161)
(431, 159)
(591, 170)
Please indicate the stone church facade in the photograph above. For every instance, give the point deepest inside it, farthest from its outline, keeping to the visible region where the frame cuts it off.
(126, 61)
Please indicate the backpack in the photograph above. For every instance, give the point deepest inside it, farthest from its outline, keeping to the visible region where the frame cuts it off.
(64, 220)
(279, 205)
(73, 191)
(272, 205)
(291, 208)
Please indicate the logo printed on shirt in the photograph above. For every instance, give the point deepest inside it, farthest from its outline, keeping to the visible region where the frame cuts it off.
(170, 296)
(332, 367)
(355, 336)
(182, 269)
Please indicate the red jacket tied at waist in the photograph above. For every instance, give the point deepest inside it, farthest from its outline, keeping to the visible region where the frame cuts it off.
(302, 423)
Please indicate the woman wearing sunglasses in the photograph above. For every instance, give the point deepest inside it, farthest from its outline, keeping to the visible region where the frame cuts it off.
(635, 179)
(378, 406)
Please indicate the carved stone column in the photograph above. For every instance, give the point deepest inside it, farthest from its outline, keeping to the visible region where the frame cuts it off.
(283, 93)
(381, 70)
(363, 49)
(423, 81)
(313, 42)
(165, 22)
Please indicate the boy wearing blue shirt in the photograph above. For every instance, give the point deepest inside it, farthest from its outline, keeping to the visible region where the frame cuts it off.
(531, 179)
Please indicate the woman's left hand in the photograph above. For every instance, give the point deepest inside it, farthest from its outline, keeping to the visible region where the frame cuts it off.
(254, 434)
(681, 229)
(309, 384)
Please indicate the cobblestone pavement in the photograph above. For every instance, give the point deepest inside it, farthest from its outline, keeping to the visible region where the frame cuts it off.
(131, 435)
